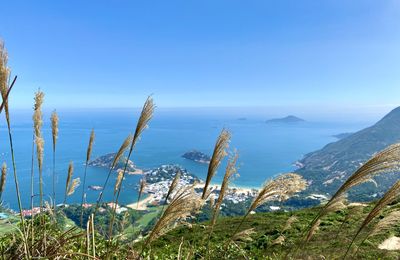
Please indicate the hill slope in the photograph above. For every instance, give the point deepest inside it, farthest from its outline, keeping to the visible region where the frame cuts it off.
(330, 166)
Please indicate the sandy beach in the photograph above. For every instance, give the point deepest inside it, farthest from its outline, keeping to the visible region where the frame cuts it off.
(142, 205)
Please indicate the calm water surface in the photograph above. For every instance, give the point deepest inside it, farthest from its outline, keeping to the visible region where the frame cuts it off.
(265, 150)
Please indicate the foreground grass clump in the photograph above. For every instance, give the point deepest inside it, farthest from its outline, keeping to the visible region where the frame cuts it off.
(270, 240)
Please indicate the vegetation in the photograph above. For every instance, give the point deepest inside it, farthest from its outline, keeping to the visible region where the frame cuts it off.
(190, 224)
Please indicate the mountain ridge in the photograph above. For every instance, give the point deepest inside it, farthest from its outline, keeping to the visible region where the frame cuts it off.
(330, 166)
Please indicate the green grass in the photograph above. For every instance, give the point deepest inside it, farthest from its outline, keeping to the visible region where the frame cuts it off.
(268, 226)
(8, 225)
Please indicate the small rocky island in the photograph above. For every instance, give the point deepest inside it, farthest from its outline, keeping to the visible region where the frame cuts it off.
(106, 160)
(285, 120)
(197, 156)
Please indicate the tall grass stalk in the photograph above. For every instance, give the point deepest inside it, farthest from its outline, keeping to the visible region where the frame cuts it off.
(3, 180)
(229, 174)
(142, 124)
(392, 194)
(388, 160)
(54, 131)
(5, 88)
(281, 188)
(218, 154)
(39, 141)
(141, 190)
(183, 205)
(88, 155)
(117, 157)
(68, 181)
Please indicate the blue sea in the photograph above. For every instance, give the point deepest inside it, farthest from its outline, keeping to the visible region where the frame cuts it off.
(264, 150)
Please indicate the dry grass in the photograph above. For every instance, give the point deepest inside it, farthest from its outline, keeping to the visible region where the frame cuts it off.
(74, 184)
(218, 154)
(69, 178)
(173, 185)
(142, 185)
(3, 179)
(385, 161)
(183, 205)
(280, 189)
(88, 155)
(392, 194)
(142, 124)
(118, 181)
(387, 223)
(229, 174)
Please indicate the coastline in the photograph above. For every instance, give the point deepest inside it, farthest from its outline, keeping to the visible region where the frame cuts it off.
(142, 204)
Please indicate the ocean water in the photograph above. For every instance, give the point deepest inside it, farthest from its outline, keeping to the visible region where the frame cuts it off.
(264, 150)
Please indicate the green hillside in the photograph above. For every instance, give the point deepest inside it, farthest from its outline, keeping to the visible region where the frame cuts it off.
(329, 167)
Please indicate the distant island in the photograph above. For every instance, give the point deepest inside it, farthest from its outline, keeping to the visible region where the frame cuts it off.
(106, 160)
(197, 156)
(342, 135)
(286, 120)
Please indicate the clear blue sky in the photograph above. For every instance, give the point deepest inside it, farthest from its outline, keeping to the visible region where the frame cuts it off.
(323, 54)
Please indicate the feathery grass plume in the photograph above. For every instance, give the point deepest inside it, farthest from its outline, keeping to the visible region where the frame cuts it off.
(385, 161)
(144, 118)
(118, 181)
(3, 179)
(37, 113)
(244, 235)
(117, 156)
(218, 154)
(391, 195)
(74, 184)
(388, 160)
(279, 240)
(141, 189)
(37, 125)
(386, 223)
(173, 185)
(4, 78)
(54, 128)
(90, 146)
(88, 154)
(183, 205)
(291, 220)
(280, 189)
(314, 228)
(69, 178)
(212, 201)
(121, 151)
(229, 173)
(336, 204)
(54, 131)
(5, 89)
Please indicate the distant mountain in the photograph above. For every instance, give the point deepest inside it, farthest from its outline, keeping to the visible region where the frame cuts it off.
(342, 135)
(286, 120)
(329, 167)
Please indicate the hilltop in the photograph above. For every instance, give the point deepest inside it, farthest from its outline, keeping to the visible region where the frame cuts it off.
(326, 169)
(288, 119)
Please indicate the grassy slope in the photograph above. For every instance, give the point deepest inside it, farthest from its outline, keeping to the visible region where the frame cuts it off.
(268, 227)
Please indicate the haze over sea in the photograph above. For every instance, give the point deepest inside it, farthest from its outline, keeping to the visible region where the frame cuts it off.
(265, 150)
